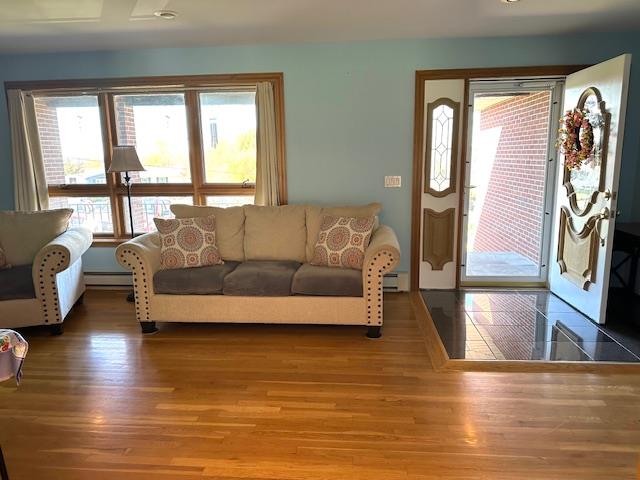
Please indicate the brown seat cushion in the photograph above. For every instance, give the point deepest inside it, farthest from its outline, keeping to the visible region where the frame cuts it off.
(261, 279)
(327, 281)
(193, 281)
(16, 283)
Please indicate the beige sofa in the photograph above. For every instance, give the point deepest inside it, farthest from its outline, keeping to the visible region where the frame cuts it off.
(266, 277)
(45, 280)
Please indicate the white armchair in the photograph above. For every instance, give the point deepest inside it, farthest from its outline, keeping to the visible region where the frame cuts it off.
(43, 293)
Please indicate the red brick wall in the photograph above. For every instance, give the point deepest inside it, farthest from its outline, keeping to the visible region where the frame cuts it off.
(47, 119)
(511, 218)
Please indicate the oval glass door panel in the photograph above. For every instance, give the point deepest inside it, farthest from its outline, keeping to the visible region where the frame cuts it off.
(442, 133)
(586, 181)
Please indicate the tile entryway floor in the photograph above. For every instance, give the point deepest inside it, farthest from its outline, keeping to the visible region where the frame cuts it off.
(520, 325)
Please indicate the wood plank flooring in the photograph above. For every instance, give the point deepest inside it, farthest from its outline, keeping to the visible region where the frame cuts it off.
(298, 403)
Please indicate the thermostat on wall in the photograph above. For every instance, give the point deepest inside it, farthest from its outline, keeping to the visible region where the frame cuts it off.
(392, 181)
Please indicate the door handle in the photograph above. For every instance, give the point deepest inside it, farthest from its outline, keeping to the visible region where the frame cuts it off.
(605, 214)
(469, 187)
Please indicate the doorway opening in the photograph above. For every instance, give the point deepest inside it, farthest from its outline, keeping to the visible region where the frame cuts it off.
(525, 217)
(508, 189)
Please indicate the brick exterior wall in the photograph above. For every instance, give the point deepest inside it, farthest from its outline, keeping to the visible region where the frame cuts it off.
(512, 214)
(48, 129)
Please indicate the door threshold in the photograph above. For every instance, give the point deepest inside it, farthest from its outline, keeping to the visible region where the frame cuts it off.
(504, 284)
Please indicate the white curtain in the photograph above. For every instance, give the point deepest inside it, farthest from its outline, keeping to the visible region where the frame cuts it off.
(267, 188)
(29, 183)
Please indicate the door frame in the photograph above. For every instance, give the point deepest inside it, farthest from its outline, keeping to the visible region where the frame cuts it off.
(534, 84)
(465, 74)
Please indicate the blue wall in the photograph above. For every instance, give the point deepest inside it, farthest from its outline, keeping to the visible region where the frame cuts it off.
(349, 107)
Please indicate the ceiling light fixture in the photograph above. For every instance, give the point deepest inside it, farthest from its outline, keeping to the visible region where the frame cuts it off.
(510, 1)
(166, 14)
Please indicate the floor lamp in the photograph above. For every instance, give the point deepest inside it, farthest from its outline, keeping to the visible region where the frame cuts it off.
(125, 159)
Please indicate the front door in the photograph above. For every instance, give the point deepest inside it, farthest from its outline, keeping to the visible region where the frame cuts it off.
(586, 194)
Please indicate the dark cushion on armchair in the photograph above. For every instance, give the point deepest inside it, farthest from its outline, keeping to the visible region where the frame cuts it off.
(261, 279)
(16, 283)
(327, 281)
(193, 281)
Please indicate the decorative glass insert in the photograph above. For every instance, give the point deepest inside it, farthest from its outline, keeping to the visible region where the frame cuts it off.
(585, 184)
(441, 147)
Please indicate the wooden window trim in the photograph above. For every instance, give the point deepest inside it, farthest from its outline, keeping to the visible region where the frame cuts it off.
(190, 86)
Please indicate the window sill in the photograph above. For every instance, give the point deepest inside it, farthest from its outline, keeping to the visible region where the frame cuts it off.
(108, 242)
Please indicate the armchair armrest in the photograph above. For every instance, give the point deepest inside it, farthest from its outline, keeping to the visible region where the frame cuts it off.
(382, 256)
(141, 255)
(64, 250)
(56, 257)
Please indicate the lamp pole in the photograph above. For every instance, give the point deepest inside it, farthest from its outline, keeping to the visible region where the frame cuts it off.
(127, 181)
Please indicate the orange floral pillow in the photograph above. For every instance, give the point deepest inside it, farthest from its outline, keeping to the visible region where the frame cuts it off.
(342, 241)
(188, 242)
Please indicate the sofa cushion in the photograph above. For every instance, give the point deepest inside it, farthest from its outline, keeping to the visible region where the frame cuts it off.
(16, 283)
(315, 214)
(275, 233)
(193, 281)
(327, 281)
(229, 227)
(261, 279)
(187, 242)
(23, 234)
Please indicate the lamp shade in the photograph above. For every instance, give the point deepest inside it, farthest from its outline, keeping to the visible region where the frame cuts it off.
(125, 159)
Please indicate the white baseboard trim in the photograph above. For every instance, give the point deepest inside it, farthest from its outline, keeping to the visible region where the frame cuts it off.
(108, 279)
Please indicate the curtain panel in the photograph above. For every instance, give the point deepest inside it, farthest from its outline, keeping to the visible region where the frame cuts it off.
(267, 188)
(29, 183)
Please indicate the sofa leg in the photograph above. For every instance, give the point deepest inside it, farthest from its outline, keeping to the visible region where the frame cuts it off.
(56, 329)
(80, 300)
(148, 327)
(374, 332)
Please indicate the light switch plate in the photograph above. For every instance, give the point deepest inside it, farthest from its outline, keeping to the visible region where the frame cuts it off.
(392, 181)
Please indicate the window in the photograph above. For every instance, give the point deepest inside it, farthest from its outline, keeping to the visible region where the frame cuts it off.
(157, 125)
(231, 136)
(195, 136)
(71, 139)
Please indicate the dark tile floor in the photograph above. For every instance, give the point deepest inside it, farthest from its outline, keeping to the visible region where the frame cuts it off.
(531, 325)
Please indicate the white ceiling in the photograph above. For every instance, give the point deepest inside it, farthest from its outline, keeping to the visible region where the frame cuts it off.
(55, 25)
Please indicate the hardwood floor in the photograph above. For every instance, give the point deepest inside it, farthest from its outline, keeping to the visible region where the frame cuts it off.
(298, 403)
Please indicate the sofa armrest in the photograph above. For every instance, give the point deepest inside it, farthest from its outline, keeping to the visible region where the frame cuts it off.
(382, 256)
(141, 255)
(383, 242)
(55, 257)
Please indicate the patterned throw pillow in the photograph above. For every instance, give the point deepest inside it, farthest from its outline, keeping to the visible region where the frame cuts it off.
(342, 241)
(188, 242)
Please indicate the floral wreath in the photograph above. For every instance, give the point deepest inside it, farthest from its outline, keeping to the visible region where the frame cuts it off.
(576, 138)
